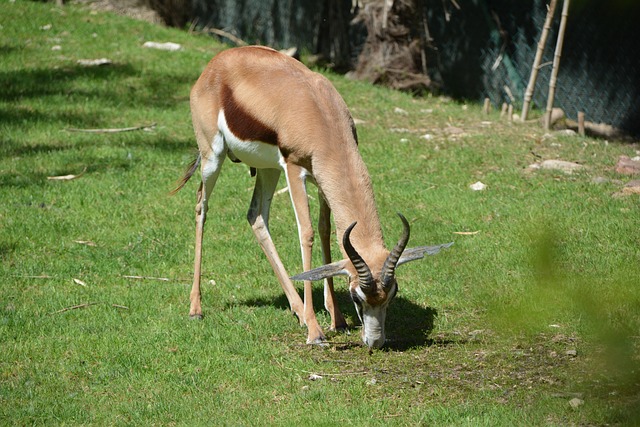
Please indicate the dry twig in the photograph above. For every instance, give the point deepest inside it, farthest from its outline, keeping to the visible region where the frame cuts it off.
(69, 177)
(238, 41)
(113, 130)
(85, 305)
(74, 307)
(164, 279)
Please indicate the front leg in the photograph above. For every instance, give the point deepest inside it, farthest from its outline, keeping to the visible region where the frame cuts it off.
(258, 217)
(324, 229)
(297, 189)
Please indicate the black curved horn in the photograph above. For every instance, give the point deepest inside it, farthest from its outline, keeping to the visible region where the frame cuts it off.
(389, 267)
(364, 273)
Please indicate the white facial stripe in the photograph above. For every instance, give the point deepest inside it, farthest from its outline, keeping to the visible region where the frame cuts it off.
(254, 153)
(363, 297)
(361, 294)
(372, 316)
(373, 320)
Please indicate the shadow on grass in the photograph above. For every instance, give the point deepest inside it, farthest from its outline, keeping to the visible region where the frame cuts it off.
(118, 87)
(7, 248)
(408, 324)
(42, 82)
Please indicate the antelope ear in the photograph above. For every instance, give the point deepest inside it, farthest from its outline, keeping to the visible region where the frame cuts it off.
(419, 252)
(329, 270)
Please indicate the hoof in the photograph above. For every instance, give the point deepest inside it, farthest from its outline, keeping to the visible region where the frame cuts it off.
(195, 316)
(342, 329)
(320, 342)
(300, 319)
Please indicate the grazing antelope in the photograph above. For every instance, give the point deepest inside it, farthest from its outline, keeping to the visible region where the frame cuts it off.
(263, 108)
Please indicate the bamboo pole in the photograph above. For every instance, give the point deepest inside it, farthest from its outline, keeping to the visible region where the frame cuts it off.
(581, 123)
(556, 64)
(487, 106)
(528, 95)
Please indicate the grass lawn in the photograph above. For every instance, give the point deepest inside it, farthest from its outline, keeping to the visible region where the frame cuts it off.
(531, 318)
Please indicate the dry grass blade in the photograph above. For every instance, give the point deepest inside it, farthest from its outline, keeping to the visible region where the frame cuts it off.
(74, 307)
(163, 279)
(113, 130)
(85, 242)
(79, 282)
(69, 177)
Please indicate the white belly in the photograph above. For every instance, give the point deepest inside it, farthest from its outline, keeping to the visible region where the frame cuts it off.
(256, 154)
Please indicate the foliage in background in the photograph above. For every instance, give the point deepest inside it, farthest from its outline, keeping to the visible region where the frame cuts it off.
(531, 318)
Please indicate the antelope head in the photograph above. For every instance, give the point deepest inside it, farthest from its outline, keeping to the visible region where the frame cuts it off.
(372, 289)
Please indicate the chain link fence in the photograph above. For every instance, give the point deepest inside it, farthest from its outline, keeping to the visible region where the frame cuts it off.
(472, 48)
(486, 49)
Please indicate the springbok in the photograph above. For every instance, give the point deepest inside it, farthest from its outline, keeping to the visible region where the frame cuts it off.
(263, 108)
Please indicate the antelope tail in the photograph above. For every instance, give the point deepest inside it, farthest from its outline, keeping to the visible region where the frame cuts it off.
(187, 175)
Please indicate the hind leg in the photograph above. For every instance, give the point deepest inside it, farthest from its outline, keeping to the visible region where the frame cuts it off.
(210, 168)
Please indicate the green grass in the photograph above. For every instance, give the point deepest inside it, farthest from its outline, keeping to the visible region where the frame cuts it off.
(478, 336)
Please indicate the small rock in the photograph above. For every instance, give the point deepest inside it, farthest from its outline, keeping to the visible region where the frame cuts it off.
(627, 166)
(46, 27)
(557, 114)
(399, 110)
(453, 130)
(576, 403)
(571, 353)
(94, 62)
(567, 132)
(169, 46)
(427, 136)
(478, 186)
(632, 187)
(372, 381)
(561, 165)
(603, 180)
(315, 377)
(599, 180)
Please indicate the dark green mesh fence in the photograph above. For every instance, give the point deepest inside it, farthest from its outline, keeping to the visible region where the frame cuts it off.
(486, 49)
(477, 48)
